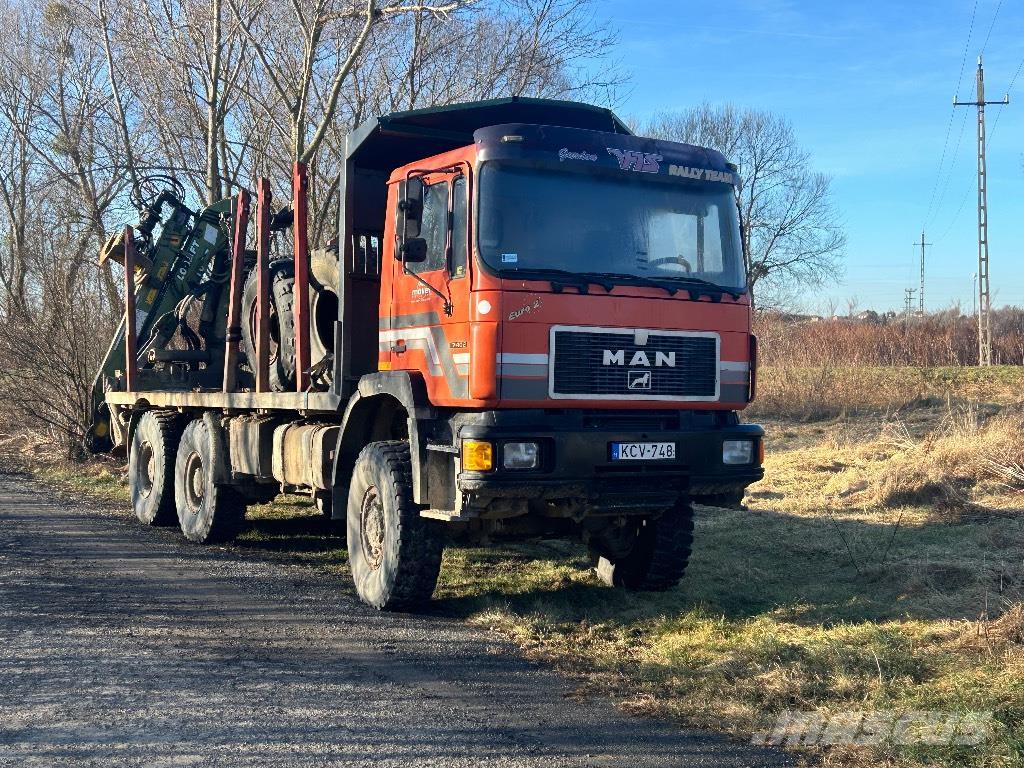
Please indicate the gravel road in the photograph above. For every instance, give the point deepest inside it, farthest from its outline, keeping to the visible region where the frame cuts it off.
(121, 646)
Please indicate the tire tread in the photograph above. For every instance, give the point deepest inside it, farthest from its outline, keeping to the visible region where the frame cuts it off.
(419, 540)
(659, 558)
(170, 427)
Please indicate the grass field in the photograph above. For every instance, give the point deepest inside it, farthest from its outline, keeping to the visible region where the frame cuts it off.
(879, 566)
(829, 391)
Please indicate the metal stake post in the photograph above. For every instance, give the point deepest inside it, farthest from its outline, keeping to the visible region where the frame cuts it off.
(234, 330)
(263, 285)
(300, 225)
(131, 362)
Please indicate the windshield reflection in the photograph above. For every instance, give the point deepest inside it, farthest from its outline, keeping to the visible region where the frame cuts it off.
(533, 219)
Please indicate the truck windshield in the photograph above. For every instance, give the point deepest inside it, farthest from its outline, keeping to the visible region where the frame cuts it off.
(535, 219)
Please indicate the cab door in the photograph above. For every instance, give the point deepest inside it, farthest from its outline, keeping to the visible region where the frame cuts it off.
(428, 332)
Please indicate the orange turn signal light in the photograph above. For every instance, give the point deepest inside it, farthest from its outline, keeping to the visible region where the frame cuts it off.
(477, 455)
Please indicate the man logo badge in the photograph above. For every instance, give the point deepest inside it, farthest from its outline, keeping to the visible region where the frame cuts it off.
(639, 380)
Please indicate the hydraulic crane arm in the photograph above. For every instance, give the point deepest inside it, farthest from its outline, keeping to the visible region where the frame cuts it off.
(187, 259)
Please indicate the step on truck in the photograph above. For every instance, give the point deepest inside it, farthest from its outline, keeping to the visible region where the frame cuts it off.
(530, 323)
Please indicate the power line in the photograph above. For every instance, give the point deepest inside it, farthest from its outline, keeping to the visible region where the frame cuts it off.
(956, 216)
(949, 123)
(936, 204)
(989, 33)
(1009, 88)
(908, 301)
(953, 162)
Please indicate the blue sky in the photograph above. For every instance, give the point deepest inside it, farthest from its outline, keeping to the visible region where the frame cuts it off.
(868, 87)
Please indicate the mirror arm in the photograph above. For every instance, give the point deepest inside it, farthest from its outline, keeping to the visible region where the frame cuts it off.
(449, 308)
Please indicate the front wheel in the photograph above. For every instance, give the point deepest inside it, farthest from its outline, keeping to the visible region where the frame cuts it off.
(655, 554)
(394, 554)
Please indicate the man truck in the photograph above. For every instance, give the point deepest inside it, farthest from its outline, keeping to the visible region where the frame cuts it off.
(530, 323)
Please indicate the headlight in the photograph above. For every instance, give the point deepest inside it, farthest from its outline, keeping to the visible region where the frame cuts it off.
(738, 452)
(477, 455)
(520, 455)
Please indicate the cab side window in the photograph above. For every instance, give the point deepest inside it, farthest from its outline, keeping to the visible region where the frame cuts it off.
(434, 227)
(460, 215)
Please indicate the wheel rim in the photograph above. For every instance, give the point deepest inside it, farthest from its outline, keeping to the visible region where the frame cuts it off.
(371, 528)
(195, 482)
(147, 468)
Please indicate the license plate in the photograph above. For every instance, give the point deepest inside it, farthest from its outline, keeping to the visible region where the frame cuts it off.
(643, 451)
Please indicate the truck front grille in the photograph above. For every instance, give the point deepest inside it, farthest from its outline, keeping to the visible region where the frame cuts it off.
(628, 364)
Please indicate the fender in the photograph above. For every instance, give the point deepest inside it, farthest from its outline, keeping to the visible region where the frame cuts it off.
(377, 393)
(133, 422)
(221, 462)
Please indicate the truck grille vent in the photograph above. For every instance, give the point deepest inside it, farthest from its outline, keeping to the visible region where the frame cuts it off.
(596, 364)
(636, 421)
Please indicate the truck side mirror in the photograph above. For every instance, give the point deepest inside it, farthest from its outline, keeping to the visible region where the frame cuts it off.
(411, 206)
(414, 250)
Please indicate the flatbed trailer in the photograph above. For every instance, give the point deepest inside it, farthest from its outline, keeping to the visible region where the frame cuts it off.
(530, 323)
(300, 402)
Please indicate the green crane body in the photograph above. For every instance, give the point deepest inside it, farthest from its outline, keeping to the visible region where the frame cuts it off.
(190, 260)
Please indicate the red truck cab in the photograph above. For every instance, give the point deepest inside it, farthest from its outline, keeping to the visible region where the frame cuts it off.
(574, 301)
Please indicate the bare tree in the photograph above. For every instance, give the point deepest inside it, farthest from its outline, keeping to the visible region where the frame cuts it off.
(195, 60)
(792, 236)
(543, 48)
(71, 135)
(333, 35)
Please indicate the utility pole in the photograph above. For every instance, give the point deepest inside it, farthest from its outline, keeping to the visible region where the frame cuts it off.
(920, 293)
(908, 302)
(984, 294)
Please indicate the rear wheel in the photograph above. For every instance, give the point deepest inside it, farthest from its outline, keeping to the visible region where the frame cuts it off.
(208, 511)
(394, 554)
(151, 467)
(651, 554)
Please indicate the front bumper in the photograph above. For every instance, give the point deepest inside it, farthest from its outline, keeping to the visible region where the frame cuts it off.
(576, 461)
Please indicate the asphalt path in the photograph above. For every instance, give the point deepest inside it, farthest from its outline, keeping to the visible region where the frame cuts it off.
(125, 646)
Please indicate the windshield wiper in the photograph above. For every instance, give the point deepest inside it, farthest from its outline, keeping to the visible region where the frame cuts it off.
(706, 284)
(559, 278)
(695, 286)
(624, 278)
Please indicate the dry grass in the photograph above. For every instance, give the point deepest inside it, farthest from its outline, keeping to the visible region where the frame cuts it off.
(826, 391)
(937, 339)
(966, 458)
(957, 462)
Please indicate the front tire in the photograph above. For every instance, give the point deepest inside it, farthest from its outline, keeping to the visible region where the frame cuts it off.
(151, 468)
(208, 510)
(659, 554)
(394, 554)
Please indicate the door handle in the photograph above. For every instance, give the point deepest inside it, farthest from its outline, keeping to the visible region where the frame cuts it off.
(398, 347)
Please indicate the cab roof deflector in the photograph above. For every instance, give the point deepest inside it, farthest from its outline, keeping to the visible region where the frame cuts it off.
(394, 140)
